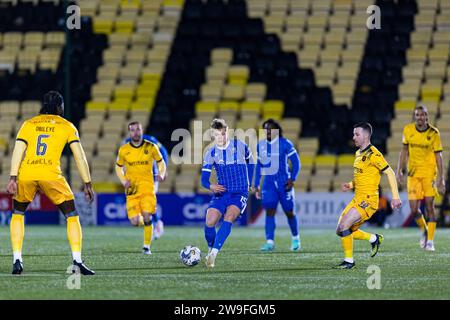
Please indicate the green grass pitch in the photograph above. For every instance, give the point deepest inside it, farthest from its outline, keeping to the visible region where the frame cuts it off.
(241, 272)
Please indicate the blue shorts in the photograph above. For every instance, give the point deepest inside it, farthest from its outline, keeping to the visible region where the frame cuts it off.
(273, 192)
(222, 201)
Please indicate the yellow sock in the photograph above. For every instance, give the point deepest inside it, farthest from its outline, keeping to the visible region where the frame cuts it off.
(347, 245)
(17, 230)
(361, 235)
(141, 221)
(148, 233)
(74, 233)
(431, 230)
(421, 223)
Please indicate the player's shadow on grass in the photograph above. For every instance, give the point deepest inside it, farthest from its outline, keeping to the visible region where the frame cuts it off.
(99, 270)
(136, 252)
(256, 251)
(146, 268)
(261, 270)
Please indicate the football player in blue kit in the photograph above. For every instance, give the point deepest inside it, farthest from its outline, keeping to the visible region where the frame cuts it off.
(234, 166)
(274, 154)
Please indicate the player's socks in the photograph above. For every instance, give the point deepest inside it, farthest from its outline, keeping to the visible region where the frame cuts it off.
(74, 234)
(211, 258)
(141, 221)
(293, 224)
(431, 230)
(270, 227)
(210, 235)
(17, 229)
(421, 223)
(347, 246)
(362, 235)
(148, 233)
(222, 235)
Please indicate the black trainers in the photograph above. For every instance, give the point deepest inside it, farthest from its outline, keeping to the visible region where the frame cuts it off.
(80, 267)
(376, 245)
(17, 267)
(345, 265)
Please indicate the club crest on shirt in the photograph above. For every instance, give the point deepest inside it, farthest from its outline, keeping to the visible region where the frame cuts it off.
(363, 158)
(145, 151)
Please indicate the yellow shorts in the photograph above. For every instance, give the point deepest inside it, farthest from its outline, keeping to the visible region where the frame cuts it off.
(138, 203)
(418, 188)
(58, 191)
(366, 207)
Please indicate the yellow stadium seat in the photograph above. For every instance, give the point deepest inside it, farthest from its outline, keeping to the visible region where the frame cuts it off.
(149, 101)
(173, 3)
(113, 56)
(124, 25)
(33, 39)
(238, 74)
(96, 105)
(101, 91)
(130, 4)
(429, 91)
(147, 89)
(145, 92)
(228, 106)
(291, 125)
(221, 55)
(255, 92)
(210, 93)
(118, 38)
(251, 106)
(325, 161)
(13, 39)
(344, 160)
(150, 74)
(143, 39)
(145, 23)
(233, 92)
(88, 7)
(126, 92)
(307, 161)
(272, 108)
(118, 106)
(405, 105)
(138, 106)
(216, 72)
(204, 106)
(103, 25)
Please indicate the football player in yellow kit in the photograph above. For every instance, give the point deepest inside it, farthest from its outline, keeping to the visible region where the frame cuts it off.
(422, 150)
(35, 165)
(134, 168)
(368, 165)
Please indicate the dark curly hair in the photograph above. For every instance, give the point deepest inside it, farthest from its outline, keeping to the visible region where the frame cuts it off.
(52, 104)
(274, 125)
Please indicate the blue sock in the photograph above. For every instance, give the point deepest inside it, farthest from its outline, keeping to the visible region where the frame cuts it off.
(210, 235)
(270, 227)
(222, 235)
(293, 225)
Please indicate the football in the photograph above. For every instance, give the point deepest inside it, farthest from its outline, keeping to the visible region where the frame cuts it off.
(190, 255)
